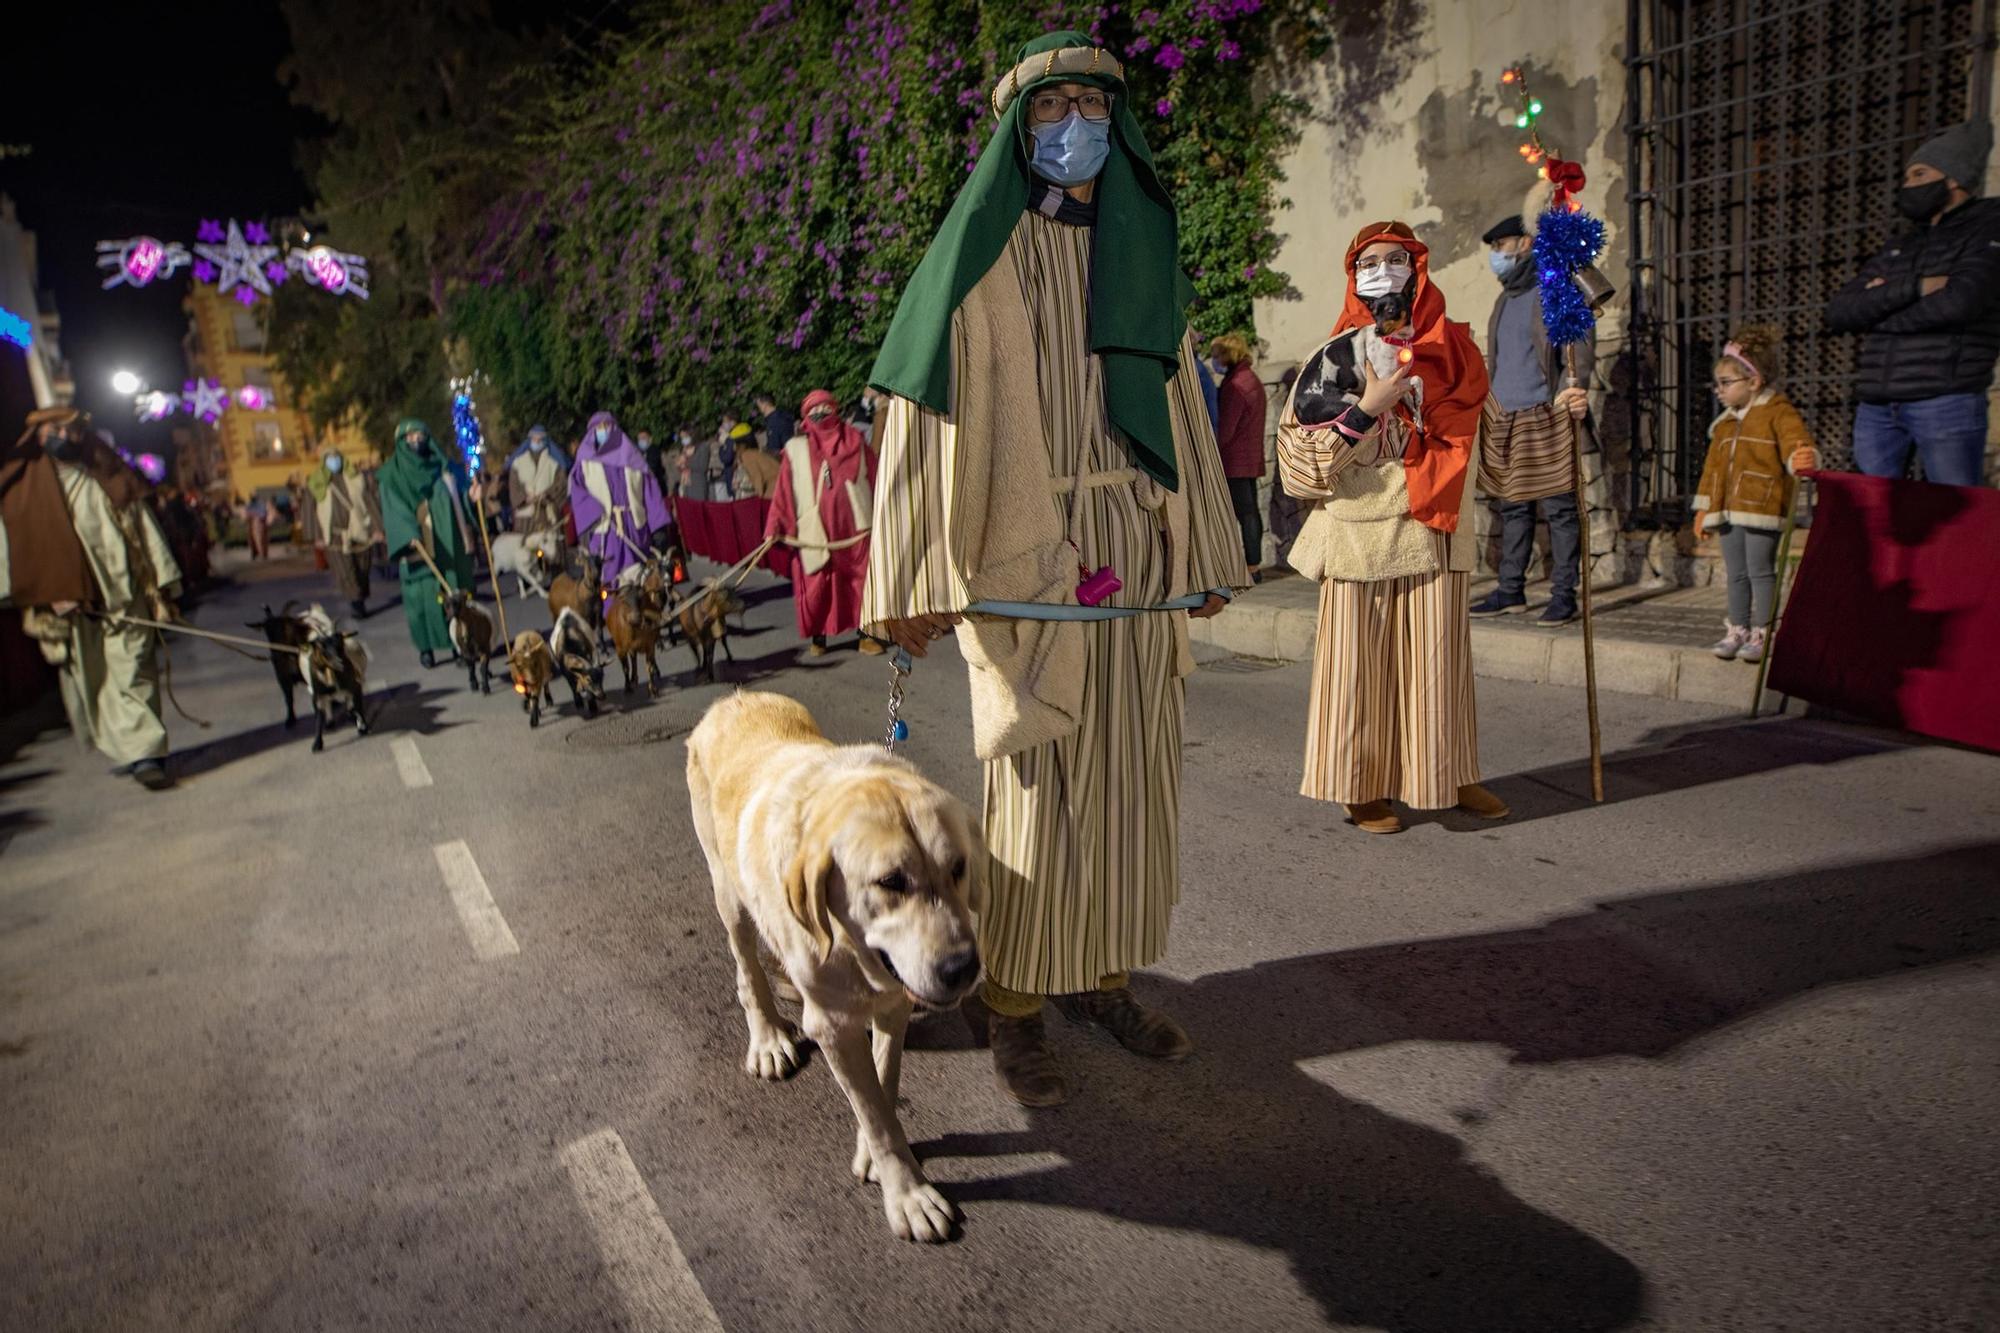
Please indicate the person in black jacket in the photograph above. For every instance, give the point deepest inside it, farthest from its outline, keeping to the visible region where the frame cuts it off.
(1929, 307)
(779, 425)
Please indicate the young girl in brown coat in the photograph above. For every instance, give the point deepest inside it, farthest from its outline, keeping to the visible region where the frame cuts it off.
(1755, 448)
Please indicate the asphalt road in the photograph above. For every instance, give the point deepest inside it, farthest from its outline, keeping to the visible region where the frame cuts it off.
(436, 1030)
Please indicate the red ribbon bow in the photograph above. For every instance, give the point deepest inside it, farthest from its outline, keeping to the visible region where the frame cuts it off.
(1567, 177)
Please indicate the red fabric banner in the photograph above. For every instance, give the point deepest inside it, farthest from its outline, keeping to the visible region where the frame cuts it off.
(727, 530)
(1896, 612)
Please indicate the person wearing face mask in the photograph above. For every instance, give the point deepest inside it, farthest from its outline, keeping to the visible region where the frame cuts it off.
(686, 459)
(1240, 440)
(1537, 411)
(1380, 434)
(538, 489)
(620, 514)
(1026, 361)
(344, 520)
(822, 506)
(423, 505)
(1928, 310)
(77, 537)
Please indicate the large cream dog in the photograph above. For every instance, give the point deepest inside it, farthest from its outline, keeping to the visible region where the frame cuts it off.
(864, 879)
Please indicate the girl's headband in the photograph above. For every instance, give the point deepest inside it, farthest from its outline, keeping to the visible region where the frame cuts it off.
(1734, 353)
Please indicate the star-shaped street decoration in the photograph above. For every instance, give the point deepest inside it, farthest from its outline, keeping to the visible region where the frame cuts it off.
(239, 264)
(204, 399)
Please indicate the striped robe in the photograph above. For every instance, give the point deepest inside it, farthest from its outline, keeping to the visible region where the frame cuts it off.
(1084, 829)
(1391, 714)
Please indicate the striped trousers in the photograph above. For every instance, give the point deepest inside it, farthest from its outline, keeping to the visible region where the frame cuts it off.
(1391, 713)
(1084, 832)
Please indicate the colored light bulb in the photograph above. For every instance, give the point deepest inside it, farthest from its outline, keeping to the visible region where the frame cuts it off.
(1521, 121)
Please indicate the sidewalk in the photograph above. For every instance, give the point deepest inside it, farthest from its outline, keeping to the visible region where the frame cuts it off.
(1648, 640)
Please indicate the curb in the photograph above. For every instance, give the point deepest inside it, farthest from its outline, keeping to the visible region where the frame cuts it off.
(1537, 657)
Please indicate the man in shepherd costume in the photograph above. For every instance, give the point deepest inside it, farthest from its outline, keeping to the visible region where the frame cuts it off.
(1045, 439)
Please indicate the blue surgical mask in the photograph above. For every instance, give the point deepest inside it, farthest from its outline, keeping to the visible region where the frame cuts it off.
(1072, 150)
(1504, 265)
(537, 443)
(603, 434)
(335, 463)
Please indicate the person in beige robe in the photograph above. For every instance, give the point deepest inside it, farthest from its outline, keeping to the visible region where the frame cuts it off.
(109, 672)
(344, 519)
(991, 516)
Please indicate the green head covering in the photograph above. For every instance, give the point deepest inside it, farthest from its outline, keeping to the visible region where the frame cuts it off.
(1139, 297)
(406, 481)
(319, 481)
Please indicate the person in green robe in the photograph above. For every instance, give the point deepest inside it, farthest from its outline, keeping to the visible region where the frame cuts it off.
(423, 510)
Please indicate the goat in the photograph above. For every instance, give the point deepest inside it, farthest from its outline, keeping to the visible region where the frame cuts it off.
(283, 630)
(704, 624)
(533, 667)
(472, 637)
(336, 671)
(634, 616)
(574, 647)
(584, 596)
(527, 557)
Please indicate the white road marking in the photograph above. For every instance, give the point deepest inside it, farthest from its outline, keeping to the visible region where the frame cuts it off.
(660, 1291)
(483, 923)
(410, 762)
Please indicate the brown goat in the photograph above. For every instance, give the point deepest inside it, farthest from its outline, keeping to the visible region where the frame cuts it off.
(472, 636)
(634, 615)
(533, 667)
(705, 626)
(585, 595)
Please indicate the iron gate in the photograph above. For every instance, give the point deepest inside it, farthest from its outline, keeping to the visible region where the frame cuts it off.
(1766, 141)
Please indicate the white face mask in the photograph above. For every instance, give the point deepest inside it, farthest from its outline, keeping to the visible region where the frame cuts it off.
(603, 434)
(537, 443)
(1381, 280)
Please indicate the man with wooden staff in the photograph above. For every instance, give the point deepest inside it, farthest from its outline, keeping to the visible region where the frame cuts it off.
(1525, 459)
(424, 516)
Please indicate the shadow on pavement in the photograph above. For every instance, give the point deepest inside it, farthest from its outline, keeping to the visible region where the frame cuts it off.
(18, 730)
(399, 709)
(1675, 759)
(1387, 1223)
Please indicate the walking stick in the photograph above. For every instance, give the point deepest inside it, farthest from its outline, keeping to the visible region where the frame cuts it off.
(492, 574)
(1777, 600)
(1584, 558)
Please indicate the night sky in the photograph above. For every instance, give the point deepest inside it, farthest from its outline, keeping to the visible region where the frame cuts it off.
(142, 121)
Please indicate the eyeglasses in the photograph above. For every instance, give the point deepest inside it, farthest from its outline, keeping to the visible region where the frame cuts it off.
(1048, 108)
(1399, 260)
(1721, 383)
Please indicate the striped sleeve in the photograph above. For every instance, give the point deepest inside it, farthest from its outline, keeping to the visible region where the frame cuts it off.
(1309, 461)
(1215, 542)
(909, 562)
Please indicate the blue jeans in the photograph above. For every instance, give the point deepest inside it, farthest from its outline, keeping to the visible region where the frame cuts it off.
(1948, 433)
(1517, 544)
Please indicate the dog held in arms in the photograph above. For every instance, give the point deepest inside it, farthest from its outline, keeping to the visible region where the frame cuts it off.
(335, 665)
(864, 879)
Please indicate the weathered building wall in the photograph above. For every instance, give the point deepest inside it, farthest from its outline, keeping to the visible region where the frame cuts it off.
(1405, 125)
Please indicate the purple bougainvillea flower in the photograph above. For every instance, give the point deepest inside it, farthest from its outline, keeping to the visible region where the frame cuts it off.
(1163, 108)
(1249, 272)
(1227, 50)
(1169, 57)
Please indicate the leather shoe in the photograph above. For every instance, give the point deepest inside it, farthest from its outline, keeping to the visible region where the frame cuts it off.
(1023, 1064)
(1476, 800)
(1375, 817)
(1140, 1030)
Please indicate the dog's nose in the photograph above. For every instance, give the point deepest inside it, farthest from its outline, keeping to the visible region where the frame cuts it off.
(958, 971)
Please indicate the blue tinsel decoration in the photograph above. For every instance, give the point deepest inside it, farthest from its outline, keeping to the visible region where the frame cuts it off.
(1564, 243)
(465, 424)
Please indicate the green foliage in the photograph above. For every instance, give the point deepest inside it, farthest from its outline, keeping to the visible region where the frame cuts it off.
(728, 198)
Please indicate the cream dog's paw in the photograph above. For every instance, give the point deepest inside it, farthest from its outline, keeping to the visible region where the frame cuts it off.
(774, 1054)
(919, 1212)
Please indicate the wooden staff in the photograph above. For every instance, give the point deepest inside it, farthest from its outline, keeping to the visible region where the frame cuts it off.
(1583, 561)
(1777, 600)
(492, 574)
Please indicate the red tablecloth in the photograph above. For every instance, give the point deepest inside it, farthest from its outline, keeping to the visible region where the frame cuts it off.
(727, 530)
(1896, 613)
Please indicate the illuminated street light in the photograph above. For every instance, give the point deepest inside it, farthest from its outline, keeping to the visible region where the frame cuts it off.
(126, 383)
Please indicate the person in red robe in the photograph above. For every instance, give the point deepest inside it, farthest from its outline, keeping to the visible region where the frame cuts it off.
(821, 509)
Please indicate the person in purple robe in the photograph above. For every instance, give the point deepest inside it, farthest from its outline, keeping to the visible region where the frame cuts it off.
(620, 515)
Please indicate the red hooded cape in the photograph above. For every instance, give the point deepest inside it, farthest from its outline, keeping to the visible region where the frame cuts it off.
(1454, 376)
